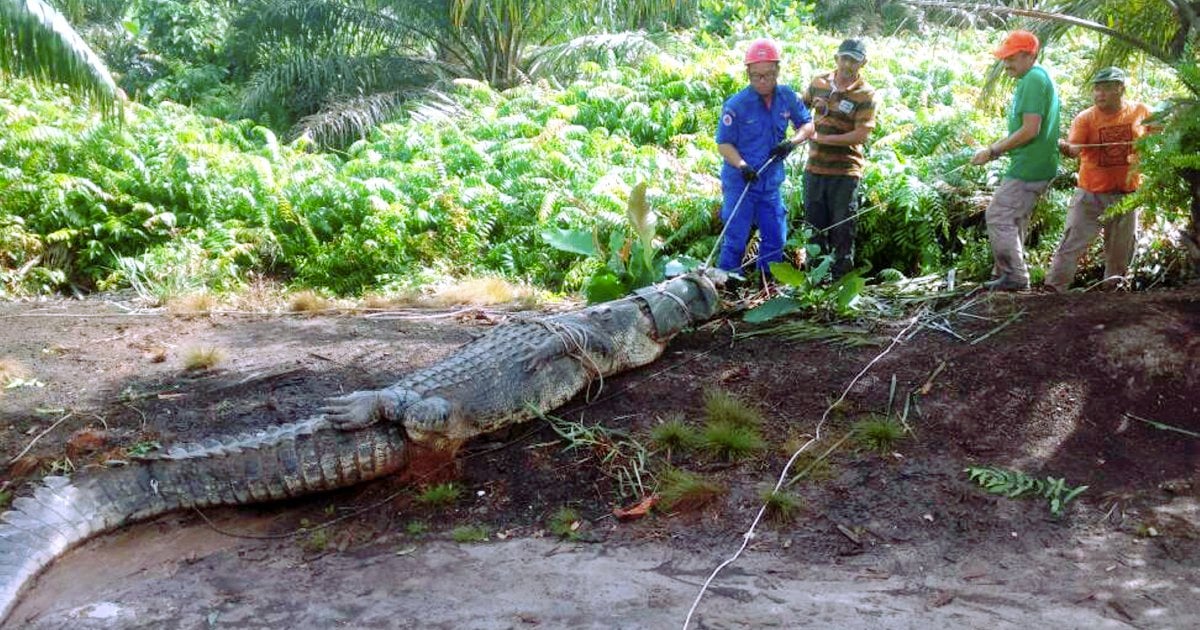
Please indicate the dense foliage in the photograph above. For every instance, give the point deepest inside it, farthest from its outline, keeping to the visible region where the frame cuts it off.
(533, 182)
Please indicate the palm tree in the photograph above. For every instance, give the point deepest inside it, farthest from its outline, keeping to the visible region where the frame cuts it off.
(338, 67)
(37, 41)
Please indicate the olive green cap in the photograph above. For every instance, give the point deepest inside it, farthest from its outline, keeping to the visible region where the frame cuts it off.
(1111, 74)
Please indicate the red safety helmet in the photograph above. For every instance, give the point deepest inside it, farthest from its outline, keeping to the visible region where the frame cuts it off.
(762, 50)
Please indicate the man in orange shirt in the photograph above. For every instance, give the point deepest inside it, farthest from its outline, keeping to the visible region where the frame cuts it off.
(1102, 137)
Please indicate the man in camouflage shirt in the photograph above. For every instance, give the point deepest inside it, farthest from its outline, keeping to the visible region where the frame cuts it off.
(843, 106)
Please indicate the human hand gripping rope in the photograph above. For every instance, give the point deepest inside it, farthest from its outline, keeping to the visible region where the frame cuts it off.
(776, 154)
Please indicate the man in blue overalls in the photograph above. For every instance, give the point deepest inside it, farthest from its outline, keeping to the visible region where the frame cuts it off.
(754, 129)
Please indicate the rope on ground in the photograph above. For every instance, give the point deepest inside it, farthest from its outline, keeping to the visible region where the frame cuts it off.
(749, 535)
(40, 436)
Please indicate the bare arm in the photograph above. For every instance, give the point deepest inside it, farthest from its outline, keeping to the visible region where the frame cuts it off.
(731, 155)
(1068, 149)
(806, 131)
(1030, 125)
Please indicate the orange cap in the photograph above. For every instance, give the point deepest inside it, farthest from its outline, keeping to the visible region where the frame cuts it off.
(1017, 41)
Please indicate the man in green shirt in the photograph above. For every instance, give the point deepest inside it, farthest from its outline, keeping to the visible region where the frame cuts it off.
(1032, 142)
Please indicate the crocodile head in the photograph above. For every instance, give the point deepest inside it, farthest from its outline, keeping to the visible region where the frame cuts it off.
(681, 302)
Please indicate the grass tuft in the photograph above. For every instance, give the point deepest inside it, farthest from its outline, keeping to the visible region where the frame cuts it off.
(307, 302)
(202, 357)
(192, 304)
(469, 534)
(416, 528)
(565, 523)
(403, 299)
(442, 494)
(484, 292)
(674, 434)
(722, 407)
(878, 434)
(729, 441)
(782, 506)
(685, 491)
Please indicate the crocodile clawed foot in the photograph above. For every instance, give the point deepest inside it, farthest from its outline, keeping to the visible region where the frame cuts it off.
(355, 410)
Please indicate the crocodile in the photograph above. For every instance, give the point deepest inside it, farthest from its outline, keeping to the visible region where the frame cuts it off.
(519, 370)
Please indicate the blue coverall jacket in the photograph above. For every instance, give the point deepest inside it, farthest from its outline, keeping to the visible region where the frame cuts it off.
(753, 129)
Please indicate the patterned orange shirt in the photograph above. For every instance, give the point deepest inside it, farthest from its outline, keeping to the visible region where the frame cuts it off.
(1106, 169)
(837, 110)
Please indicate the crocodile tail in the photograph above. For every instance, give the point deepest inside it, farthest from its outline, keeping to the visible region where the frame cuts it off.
(282, 462)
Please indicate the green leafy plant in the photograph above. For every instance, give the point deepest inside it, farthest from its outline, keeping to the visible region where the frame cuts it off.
(469, 534)
(416, 528)
(1016, 484)
(145, 447)
(629, 252)
(808, 290)
(440, 495)
(565, 523)
(314, 541)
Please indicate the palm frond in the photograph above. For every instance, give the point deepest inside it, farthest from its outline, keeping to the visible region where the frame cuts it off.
(343, 121)
(435, 105)
(38, 41)
(1053, 23)
(309, 81)
(562, 59)
(323, 24)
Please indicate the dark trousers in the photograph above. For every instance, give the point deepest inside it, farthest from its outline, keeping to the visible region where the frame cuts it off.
(830, 200)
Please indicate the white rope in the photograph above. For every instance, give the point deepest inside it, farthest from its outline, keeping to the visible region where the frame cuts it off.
(574, 339)
(733, 213)
(783, 474)
(40, 436)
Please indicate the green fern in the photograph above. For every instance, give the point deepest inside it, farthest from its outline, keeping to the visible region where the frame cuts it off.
(1016, 484)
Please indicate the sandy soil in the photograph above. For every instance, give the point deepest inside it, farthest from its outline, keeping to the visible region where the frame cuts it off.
(896, 540)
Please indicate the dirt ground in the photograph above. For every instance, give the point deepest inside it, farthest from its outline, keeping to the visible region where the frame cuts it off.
(898, 540)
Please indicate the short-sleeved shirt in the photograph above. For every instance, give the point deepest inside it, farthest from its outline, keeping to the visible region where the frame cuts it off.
(838, 109)
(1036, 160)
(753, 127)
(1106, 169)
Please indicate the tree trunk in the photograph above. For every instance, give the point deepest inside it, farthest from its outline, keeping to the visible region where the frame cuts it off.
(1192, 236)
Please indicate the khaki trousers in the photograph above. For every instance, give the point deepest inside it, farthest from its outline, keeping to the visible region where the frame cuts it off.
(1007, 224)
(1084, 221)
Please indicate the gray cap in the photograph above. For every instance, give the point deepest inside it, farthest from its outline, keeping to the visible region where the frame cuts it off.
(856, 49)
(1111, 74)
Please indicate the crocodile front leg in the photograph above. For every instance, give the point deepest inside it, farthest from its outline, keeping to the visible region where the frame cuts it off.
(361, 409)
